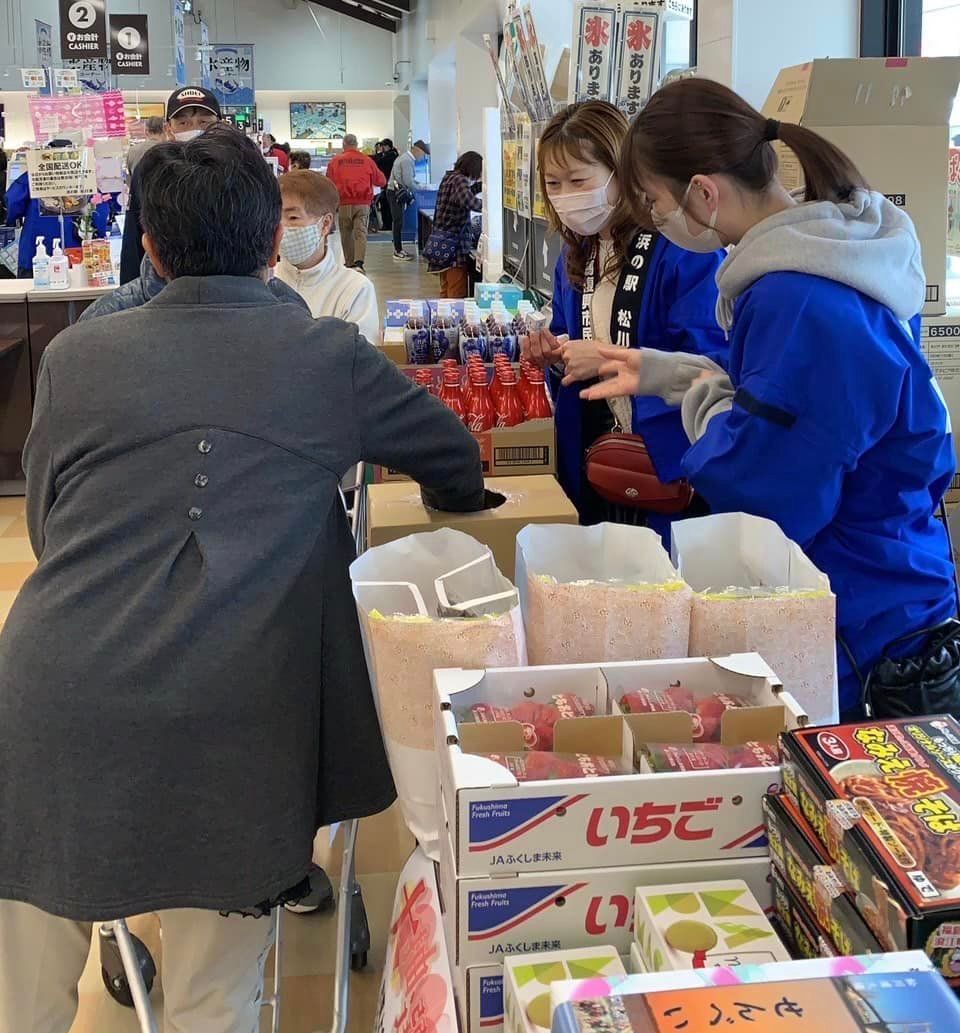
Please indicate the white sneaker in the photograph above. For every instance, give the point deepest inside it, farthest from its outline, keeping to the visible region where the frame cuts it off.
(402, 256)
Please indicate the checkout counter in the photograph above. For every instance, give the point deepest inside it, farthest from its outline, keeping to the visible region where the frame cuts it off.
(29, 321)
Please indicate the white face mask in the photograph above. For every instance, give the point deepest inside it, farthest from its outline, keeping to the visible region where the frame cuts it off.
(186, 135)
(586, 212)
(677, 230)
(300, 243)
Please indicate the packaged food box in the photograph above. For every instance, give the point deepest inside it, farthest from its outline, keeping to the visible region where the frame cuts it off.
(701, 925)
(807, 868)
(795, 922)
(707, 715)
(536, 719)
(883, 798)
(636, 962)
(396, 312)
(501, 825)
(526, 983)
(901, 964)
(917, 1002)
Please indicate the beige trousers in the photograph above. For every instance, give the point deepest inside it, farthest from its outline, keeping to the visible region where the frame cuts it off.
(212, 970)
(354, 226)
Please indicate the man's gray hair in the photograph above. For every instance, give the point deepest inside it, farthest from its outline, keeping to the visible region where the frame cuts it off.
(349, 140)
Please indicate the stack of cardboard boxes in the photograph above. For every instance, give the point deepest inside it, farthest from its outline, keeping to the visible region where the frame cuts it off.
(528, 867)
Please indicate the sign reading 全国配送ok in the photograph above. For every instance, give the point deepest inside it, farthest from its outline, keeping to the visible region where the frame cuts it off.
(83, 28)
(129, 45)
(62, 172)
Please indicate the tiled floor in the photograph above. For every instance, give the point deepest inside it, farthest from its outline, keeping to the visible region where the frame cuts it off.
(384, 844)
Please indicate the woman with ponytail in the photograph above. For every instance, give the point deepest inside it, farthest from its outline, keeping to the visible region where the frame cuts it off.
(829, 421)
(617, 282)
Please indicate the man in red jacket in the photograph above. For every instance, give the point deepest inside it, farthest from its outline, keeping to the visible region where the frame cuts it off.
(355, 175)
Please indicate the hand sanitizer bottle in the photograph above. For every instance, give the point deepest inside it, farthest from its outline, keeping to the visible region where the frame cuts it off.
(41, 267)
(59, 268)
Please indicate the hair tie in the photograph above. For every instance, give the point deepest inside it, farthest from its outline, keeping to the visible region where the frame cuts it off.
(771, 131)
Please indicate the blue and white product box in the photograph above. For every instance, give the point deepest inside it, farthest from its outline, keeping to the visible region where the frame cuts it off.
(397, 311)
(500, 826)
(445, 316)
(509, 293)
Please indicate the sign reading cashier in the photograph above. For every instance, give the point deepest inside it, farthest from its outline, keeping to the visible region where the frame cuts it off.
(129, 46)
(83, 28)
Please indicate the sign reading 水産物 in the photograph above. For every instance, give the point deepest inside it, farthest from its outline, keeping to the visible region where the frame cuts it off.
(591, 70)
(636, 60)
(83, 28)
(62, 172)
(129, 46)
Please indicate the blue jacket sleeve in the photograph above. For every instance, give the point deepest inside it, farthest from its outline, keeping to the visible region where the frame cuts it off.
(558, 322)
(18, 198)
(813, 394)
(688, 301)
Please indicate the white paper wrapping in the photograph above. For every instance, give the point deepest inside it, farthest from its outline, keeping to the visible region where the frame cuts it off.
(396, 589)
(603, 593)
(792, 625)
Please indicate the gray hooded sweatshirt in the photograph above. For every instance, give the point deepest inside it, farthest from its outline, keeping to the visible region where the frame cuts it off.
(867, 243)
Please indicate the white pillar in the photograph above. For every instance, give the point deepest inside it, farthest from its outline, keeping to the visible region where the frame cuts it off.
(442, 101)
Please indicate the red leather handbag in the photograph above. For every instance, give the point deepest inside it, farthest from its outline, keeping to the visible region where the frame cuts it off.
(620, 471)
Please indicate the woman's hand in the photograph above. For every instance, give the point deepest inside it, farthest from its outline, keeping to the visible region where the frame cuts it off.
(619, 371)
(541, 348)
(582, 361)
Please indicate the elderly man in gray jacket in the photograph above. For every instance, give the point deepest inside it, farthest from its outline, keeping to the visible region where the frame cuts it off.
(183, 694)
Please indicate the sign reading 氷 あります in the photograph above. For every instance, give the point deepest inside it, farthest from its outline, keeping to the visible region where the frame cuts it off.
(637, 50)
(594, 32)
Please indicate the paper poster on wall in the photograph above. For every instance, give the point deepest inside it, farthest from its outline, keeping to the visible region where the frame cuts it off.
(95, 115)
(61, 172)
(510, 175)
(93, 74)
(539, 199)
(953, 204)
(232, 73)
(108, 158)
(637, 49)
(318, 120)
(129, 44)
(591, 69)
(83, 28)
(205, 80)
(179, 44)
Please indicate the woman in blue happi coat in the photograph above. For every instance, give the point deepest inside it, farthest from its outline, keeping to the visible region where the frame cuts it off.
(615, 283)
(828, 419)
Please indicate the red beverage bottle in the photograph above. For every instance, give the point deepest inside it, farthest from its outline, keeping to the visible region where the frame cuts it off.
(538, 406)
(451, 393)
(510, 407)
(424, 378)
(524, 386)
(500, 368)
(480, 412)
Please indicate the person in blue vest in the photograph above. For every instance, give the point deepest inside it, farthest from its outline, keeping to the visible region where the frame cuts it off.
(41, 218)
(828, 420)
(617, 282)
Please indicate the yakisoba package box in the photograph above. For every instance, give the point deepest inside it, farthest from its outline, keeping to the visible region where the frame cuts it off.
(884, 799)
(796, 924)
(807, 869)
(500, 824)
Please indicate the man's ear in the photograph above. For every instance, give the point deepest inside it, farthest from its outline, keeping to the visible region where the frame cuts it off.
(152, 255)
(275, 256)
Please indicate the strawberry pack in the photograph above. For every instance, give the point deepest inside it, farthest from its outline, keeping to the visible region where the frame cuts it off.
(537, 720)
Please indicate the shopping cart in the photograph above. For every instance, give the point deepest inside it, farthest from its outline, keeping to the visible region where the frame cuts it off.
(128, 968)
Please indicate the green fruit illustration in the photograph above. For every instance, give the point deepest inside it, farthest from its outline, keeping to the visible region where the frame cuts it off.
(538, 1011)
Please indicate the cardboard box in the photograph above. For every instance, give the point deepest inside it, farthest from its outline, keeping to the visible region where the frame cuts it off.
(800, 931)
(918, 1002)
(394, 345)
(526, 983)
(491, 918)
(636, 962)
(883, 798)
(395, 312)
(526, 450)
(511, 294)
(809, 873)
(500, 825)
(703, 924)
(891, 116)
(396, 510)
(776, 972)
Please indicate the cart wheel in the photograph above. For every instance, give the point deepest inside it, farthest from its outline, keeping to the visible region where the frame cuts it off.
(359, 932)
(114, 977)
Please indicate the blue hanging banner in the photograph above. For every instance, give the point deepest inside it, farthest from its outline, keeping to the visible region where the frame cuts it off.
(179, 44)
(231, 73)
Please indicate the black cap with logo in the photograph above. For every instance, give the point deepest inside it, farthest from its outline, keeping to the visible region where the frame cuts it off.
(192, 97)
